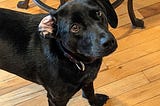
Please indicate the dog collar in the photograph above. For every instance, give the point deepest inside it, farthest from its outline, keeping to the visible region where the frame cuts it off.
(79, 64)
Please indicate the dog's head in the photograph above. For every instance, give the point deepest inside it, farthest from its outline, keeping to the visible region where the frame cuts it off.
(81, 26)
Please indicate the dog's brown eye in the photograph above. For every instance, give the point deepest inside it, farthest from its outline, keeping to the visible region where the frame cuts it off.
(75, 28)
(99, 13)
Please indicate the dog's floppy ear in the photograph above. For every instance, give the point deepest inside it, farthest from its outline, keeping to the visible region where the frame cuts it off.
(47, 27)
(109, 12)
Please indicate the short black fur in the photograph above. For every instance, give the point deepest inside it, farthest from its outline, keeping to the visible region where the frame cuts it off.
(25, 53)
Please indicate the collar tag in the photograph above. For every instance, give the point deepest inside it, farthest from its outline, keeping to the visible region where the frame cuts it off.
(81, 66)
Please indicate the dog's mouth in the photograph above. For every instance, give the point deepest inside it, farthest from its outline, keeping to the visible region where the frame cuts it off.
(85, 58)
(78, 56)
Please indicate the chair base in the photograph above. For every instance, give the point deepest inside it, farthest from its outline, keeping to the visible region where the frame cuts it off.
(23, 4)
(135, 21)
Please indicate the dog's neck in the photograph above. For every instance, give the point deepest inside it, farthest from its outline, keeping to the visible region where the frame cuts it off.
(80, 65)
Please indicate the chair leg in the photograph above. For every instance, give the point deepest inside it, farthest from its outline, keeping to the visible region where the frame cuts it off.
(135, 21)
(117, 3)
(23, 4)
(63, 1)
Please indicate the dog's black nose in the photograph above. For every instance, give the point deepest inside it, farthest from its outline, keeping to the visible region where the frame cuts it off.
(107, 42)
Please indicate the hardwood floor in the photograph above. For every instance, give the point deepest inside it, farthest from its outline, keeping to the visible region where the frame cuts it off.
(130, 76)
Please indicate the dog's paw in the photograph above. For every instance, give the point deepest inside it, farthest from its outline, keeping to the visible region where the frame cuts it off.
(101, 99)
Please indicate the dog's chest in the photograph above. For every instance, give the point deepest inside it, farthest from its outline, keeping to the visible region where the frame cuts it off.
(70, 73)
(68, 83)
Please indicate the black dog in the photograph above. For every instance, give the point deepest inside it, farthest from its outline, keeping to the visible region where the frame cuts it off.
(71, 56)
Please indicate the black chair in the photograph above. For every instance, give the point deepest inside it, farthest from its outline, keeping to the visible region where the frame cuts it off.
(135, 21)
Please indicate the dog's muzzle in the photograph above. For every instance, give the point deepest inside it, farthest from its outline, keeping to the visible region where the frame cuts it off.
(108, 43)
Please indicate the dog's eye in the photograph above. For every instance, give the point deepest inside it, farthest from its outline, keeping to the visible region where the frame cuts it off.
(75, 28)
(99, 13)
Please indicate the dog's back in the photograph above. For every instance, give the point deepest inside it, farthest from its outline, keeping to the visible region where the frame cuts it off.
(17, 22)
(19, 43)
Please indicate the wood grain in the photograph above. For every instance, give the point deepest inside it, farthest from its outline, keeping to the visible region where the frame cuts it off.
(150, 10)
(137, 95)
(130, 76)
(153, 73)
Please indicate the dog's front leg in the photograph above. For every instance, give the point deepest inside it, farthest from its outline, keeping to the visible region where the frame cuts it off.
(93, 99)
(56, 103)
(53, 101)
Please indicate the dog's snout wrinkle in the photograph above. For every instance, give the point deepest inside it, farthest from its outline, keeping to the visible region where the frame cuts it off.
(108, 44)
(106, 41)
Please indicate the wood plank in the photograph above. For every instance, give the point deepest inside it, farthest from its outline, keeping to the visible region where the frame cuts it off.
(124, 19)
(151, 102)
(132, 53)
(103, 66)
(115, 88)
(143, 3)
(137, 95)
(123, 85)
(153, 73)
(136, 45)
(12, 84)
(150, 10)
(127, 69)
(22, 94)
(122, 9)
(78, 101)
(127, 30)
(12, 4)
(138, 38)
(5, 75)
(40, 100)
